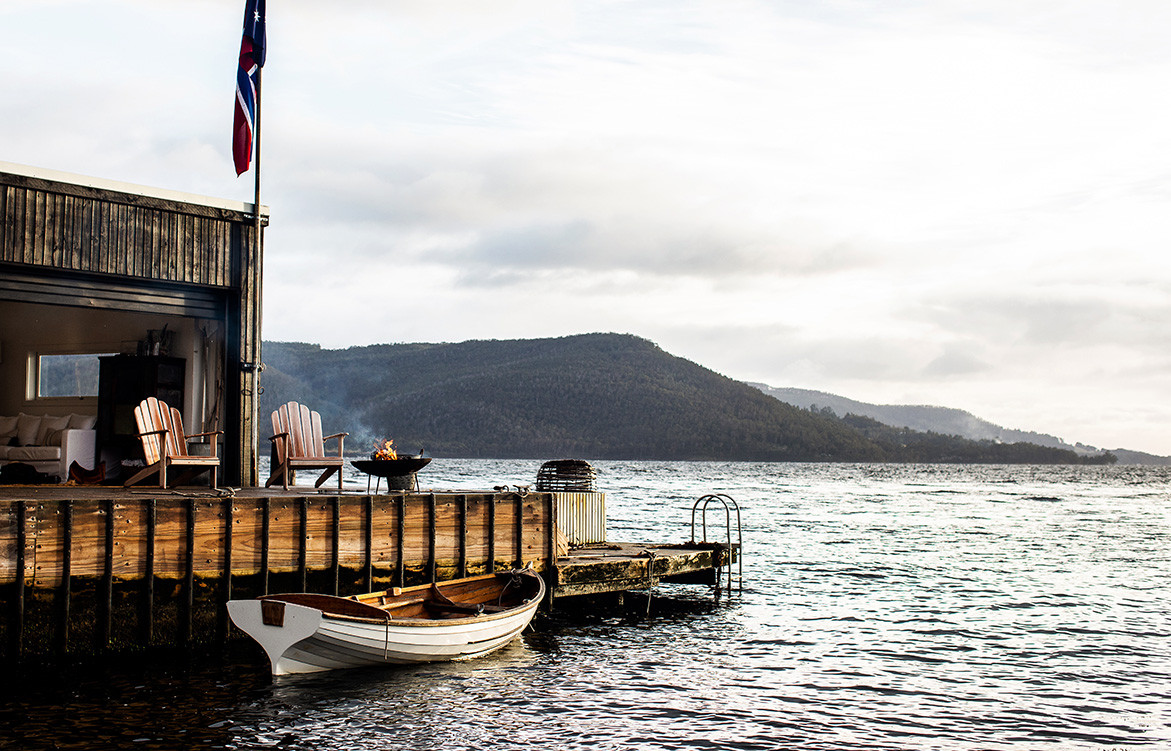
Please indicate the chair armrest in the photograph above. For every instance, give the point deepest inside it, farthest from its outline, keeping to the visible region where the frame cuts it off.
(152, 432)
(214, 444)
(341, 440)
(279, 435)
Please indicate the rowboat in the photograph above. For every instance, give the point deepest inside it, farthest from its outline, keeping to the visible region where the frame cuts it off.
(453, 620)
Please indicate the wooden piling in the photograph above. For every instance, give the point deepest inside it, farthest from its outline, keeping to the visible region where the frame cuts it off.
(188, 612)
(132, 568)
(107, 601)
(21, 544)
(66, 574)
(368, 540)
(225, 572)
(551, 544)
(265, 534)
(401, 566)
(336, 542)
(519, 510)
(303, 542)
(492, 534)
(462, 502)
(431, 525)
(147, 613)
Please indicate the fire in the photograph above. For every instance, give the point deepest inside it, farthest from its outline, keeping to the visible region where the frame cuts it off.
(385, 450)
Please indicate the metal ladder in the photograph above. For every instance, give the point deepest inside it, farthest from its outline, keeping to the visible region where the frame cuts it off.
(734, 578)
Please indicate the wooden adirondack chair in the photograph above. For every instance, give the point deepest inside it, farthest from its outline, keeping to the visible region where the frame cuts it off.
(164, 445)
(299, 445)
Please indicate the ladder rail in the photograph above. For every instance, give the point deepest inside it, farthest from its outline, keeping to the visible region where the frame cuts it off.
(729, 504)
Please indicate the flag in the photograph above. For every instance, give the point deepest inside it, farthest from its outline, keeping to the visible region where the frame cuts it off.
(251, 61)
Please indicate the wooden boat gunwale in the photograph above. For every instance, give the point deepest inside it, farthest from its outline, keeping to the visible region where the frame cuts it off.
(295, 632)
(395, 597)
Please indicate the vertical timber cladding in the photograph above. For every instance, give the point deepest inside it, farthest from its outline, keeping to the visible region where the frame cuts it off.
(105, 570)
(149, 534)
(132, 248)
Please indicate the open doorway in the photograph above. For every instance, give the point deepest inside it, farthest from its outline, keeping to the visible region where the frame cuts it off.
(75, 366)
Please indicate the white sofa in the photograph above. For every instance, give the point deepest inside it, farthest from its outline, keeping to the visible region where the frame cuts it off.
(48, 443)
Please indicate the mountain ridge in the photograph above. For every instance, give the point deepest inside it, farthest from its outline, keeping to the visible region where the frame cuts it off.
(596, 396)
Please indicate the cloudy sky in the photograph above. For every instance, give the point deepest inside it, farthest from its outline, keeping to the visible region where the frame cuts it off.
(951, 202)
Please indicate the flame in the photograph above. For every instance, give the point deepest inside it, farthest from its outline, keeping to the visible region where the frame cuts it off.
(385, 450)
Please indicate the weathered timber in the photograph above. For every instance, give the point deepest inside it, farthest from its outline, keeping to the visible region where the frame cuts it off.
(95, 244)
(614, 567)
(86, 569)
(139, 235)
(129, 569)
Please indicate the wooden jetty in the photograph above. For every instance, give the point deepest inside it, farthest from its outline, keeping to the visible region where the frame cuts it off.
(160, 292)
(91, 569)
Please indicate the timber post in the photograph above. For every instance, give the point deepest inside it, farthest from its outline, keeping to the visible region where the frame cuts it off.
(127, 570)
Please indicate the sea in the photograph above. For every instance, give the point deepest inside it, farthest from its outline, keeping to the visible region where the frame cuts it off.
(881, 606)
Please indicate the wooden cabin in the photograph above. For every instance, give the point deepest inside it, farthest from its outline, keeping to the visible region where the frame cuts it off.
(110, 293)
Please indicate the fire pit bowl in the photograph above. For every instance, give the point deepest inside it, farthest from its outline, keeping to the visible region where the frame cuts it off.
(399, 473)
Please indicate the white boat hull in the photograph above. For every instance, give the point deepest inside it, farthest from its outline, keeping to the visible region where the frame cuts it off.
(309, 641)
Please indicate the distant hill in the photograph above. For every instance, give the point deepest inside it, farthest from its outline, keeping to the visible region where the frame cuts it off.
(1126, 456)
(945, 420)
(592, 396)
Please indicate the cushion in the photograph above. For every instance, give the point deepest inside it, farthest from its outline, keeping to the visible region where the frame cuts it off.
(82, 422)
(34, 453)
(28, 427)
(52, 437)
(51, 423)
(7, 428)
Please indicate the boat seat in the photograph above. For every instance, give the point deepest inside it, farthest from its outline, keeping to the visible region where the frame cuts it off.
(453, 607)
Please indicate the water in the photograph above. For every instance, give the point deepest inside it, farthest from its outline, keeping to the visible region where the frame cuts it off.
(885, 607)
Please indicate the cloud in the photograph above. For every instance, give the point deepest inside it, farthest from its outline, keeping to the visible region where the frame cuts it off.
(958, 202)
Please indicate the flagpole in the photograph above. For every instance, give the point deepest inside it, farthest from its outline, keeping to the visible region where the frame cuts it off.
(256, 284)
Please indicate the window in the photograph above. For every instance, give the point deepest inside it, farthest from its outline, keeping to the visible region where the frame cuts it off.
(67, 375)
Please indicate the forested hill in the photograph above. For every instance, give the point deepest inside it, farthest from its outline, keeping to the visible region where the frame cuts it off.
(592, 396)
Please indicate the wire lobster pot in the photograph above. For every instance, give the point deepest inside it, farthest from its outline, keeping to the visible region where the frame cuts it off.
(567, 476)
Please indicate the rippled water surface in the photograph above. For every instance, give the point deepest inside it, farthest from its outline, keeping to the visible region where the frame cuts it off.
(884, 607)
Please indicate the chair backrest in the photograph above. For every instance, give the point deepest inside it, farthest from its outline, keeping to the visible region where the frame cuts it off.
(304, 428)
(153, 415)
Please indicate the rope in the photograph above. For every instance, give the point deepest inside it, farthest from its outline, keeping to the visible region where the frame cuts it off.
(218, 493)
(650, 577)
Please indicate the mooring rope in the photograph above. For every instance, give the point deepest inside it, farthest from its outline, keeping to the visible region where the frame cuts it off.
(650, 577)
(217, 493)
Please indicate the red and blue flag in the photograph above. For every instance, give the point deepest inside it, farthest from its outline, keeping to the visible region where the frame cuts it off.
(251, 61)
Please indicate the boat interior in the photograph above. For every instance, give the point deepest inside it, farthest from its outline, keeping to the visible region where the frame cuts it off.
(460, 598)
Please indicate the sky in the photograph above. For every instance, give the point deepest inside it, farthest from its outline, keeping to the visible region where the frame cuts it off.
(961, 203)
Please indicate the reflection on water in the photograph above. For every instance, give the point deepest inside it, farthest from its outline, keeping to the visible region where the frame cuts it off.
(885, 607)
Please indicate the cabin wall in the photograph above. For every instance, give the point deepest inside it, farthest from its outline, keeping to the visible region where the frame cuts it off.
(85, 244)
(77, 228)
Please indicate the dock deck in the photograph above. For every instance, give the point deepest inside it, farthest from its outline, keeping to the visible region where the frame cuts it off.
(91, 567)
(617, 566)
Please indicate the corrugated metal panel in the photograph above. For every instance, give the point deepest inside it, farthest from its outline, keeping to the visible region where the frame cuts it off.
(581, 517)
(109, 294)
